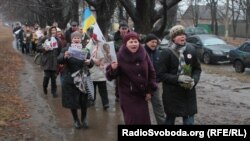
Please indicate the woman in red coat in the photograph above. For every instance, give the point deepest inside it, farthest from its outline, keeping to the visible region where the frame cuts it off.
(136, 76)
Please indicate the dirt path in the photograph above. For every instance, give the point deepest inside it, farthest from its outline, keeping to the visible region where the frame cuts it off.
(43, 120)
(223, 100)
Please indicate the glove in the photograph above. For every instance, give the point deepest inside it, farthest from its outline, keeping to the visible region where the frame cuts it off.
(189, 85)
(192, 84)
(184, 79)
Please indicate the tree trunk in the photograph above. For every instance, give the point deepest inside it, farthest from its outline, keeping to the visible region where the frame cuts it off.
(75, 10)
(145, 11)
(121, 13)
(227, 20)
(104, 12)
(247, 17)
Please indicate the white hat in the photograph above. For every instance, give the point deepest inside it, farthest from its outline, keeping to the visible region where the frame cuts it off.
(175, 31)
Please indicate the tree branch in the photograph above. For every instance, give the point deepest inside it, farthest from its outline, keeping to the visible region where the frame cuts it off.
(168, 5)
(130, 8)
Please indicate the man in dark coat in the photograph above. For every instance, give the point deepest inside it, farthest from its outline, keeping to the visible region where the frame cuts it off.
(123, 30)
(18, 31)
(151, 41)
(179, 70)
(73, 28)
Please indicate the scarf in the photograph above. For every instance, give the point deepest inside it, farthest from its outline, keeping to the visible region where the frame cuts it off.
(179, 51)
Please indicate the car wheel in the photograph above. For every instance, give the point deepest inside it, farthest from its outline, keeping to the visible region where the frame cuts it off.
(239, 66)
(206, 58)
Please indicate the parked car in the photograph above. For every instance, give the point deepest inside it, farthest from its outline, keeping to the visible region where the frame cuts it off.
(194, 31)
(210, 48)
(164, 42)
(240, 57)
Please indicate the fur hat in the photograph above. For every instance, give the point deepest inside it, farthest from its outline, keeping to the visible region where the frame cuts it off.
(130, 35)
(76, 33)
(175, 31)
(150, 37)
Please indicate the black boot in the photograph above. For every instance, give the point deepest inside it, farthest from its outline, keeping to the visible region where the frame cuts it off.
(45, 84)
(53, 86)
(85, 123)
(77, 124)
(45, 91)
(106, 106)
(54, 95)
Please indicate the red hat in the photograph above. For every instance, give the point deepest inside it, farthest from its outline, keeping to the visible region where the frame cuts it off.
(130, 35)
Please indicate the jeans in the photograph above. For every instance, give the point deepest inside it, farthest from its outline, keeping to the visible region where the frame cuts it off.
(187, 120)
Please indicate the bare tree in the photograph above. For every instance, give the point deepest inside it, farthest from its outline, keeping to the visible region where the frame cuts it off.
(144, 15)
(246, 9)
(236, 7)
(225, 14)
(214, 23)
(44, 12)
(247, 16)
(227, 20)
(122, 15)
(195, 11)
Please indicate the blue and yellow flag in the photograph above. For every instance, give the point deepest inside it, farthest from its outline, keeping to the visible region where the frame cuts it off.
(88, 19)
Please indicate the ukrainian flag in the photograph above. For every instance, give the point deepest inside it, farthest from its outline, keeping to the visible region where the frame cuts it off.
(88, 19)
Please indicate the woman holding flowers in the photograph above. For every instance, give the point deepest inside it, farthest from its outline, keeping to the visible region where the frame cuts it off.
(179, 70)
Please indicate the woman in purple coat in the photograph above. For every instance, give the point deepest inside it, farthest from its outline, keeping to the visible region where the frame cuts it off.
(136, 76)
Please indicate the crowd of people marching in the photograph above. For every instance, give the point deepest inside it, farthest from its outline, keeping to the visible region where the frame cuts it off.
(139, 70)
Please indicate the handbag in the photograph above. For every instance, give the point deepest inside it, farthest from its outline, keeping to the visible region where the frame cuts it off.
(89, 86)
(84, 83)
(38, 58)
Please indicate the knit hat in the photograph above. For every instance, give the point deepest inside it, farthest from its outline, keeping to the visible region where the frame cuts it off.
(74, 23)
(150, 37)
(123, 24)
(76, 33)
(175, 31)
(130, 35)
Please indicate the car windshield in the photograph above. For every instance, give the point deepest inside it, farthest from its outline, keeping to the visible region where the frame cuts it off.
(213, 41)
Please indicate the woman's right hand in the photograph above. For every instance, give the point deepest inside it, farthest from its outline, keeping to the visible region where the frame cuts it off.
(114, 65)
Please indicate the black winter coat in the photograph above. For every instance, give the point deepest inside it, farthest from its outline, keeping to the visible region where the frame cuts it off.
(49, 58)
(178, 101)
(70, 93)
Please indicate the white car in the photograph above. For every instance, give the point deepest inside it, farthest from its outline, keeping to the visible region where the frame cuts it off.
(164, 42)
